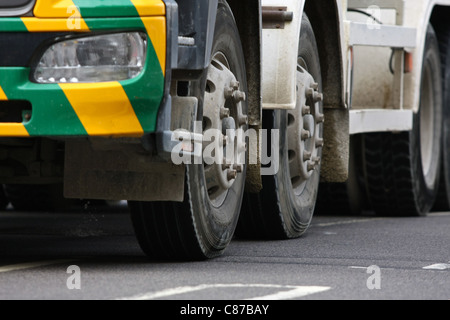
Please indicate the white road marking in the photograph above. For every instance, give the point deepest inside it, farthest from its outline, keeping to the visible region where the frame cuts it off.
(438, 266)
(294, 292)
(31, 265)
(343, 222)
(439, 214)
(298, 292)
(356, 267)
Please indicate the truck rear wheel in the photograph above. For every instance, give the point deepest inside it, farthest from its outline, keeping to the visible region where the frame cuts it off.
(203, 225)
(284, 208)
(446, 148)
(443, 200)
(403, 169)
(348, 198)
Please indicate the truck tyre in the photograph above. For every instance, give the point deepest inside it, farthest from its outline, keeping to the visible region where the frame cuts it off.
(403, 169)
(348, 198)
(203, 225)
(443, 199)
(284, 208)
(446, 124)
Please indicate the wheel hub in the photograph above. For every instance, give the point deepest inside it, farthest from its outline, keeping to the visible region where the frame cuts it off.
(224, 125)
(305, 131)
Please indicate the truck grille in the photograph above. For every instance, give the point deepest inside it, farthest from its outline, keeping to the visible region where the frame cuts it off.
(15, 7)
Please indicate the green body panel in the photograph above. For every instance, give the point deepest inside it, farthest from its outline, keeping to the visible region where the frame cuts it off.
(12, 25)
(106, 8)
(146, 93)
(52, 112)
(110, 24)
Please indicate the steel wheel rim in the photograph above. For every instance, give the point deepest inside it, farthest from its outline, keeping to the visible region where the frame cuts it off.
(427, 127)
(222, 115)
(304, 130)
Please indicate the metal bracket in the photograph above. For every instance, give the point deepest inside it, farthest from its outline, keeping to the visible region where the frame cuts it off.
(276, 17)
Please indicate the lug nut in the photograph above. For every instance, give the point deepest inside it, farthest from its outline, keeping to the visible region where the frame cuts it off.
(319, 143)
(316, 160)
(310, 93)
(228, 93)
(235, 85)
(320, 118)
(239, 96)
(315, 86)
(305, 134)
(306, 110)
(238, 167)
(317, 97)
(224, 113)
(231, 175)
(307, 155)
(243, 120)
(311, 166)
(225, 165)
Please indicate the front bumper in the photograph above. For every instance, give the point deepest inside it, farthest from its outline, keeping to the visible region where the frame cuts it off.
(110, 109)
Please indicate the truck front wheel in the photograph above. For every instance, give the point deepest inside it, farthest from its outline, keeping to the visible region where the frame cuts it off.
(203, 225)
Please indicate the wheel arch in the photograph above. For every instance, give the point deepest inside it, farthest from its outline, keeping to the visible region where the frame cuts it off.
(327, 21)
(248, 19)
(439, 20)
(197, 19)
(247, 16)
(441, 25)
(419, 14)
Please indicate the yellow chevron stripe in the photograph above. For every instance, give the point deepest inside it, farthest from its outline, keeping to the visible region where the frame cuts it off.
(103, 108)
(52, 25)
(3, 95)
(147, 8)
(156, 29)
(13, 130)
(68, 17)
(56, 9)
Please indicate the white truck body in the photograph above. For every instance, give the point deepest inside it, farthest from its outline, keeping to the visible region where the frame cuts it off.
(367, 87)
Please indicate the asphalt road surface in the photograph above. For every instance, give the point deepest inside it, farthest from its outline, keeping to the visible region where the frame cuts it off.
(92, 254)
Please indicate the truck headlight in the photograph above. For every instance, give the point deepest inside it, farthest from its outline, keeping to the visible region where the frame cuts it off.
(110, 57)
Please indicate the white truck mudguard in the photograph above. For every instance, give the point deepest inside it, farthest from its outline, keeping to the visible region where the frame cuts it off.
(280, 48)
